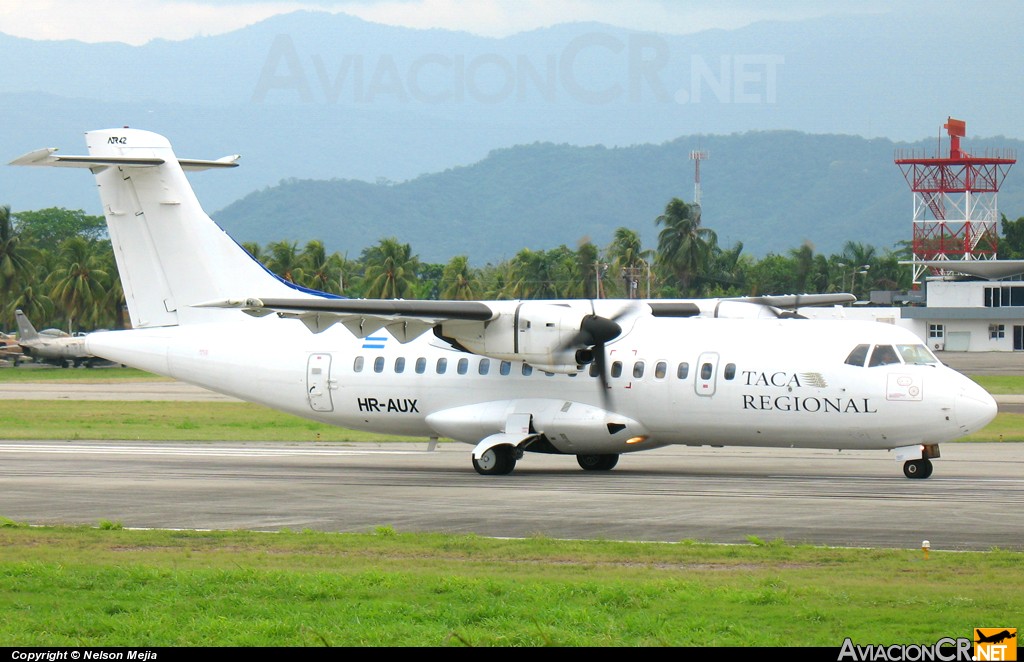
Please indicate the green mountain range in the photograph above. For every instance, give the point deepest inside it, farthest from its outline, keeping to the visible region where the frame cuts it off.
(771, 190)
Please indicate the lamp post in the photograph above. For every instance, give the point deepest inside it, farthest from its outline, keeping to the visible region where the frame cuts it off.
(862, 269)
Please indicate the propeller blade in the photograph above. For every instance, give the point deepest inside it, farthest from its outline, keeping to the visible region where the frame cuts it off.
(601, 366)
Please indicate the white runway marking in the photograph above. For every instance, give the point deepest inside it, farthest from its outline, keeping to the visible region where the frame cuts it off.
(197, 450)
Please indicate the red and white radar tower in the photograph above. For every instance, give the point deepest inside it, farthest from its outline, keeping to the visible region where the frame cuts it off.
(955, 212)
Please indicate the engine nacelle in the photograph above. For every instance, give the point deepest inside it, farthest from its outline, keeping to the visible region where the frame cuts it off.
(547, 336)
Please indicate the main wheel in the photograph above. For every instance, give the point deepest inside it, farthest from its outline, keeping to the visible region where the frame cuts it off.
(497, 461)
(917, 468)
(597, 462)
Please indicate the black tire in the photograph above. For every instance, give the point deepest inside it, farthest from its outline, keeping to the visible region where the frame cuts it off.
(919, 469)
(497, 461)
(597, 462)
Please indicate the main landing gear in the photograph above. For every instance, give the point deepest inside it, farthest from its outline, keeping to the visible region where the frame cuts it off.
(597, 462)
(917, 468)
(501, 460)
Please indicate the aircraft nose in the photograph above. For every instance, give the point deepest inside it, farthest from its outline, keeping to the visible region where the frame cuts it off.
(975, 408)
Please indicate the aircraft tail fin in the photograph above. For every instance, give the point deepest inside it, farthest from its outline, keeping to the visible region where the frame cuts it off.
(25, 329)
(170, 254)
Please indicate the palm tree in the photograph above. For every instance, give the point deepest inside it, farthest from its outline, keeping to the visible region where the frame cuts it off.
(628, 259)
(458, 281)
(34, 304)
(283, 260)
(536, 275)
(683, 245)
(803, 262)
(320, 270)
(16, 260)
(77, 286)
(390, 270)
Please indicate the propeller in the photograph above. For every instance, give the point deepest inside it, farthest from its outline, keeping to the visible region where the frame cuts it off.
(595, 332)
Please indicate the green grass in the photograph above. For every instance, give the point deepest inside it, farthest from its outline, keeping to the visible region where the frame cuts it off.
(112, 587)
(165, 421)
(1001, 384)
(42, 373)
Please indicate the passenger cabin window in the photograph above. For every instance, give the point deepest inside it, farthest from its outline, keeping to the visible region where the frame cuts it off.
(421, 365)
(593, 369)
(705, 371)
(357, 365)
(442, 366)
(858, 355)
(660, 370)
(730, 370)
(378, 364)
(616, 369)
(505, 367)
(463, 366)
(683, 371)
(400, 365)
(883, 355)
(638, 370)
(484, 367)
(527, 370)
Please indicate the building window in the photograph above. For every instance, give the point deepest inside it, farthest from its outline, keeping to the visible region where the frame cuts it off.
(996, 331)
(936, 331)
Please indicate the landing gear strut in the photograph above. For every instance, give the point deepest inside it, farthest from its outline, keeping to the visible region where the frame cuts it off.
(597, 462)
(917, 468)
(496, 461)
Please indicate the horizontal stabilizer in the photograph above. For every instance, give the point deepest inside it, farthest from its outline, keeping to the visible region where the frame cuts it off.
(49, 157)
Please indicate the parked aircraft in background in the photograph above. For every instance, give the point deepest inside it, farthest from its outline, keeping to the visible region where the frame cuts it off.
(52, 346)
(593, 379)
(10, 350)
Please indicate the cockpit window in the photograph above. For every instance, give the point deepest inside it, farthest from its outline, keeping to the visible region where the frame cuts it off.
(858, 355)
(883, 355)
(916, 355)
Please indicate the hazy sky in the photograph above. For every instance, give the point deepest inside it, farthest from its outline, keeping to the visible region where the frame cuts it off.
(138, 21)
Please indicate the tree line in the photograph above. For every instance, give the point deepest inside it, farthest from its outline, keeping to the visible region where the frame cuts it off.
(58, 266)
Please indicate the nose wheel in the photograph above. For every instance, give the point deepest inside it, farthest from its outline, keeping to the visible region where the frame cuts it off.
(917, 468)
(496, 461)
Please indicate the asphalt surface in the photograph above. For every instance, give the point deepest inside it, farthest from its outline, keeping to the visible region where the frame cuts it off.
(851, 499)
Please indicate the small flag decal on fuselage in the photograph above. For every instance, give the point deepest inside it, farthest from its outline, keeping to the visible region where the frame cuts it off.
(374, 342)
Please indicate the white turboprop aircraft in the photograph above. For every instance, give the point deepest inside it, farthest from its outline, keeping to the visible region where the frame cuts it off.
(505, 376)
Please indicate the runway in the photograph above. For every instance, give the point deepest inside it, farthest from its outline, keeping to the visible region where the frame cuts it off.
(974, 501)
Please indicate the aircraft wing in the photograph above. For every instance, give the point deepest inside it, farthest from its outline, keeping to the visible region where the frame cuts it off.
(789, 301)
(404, 319)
